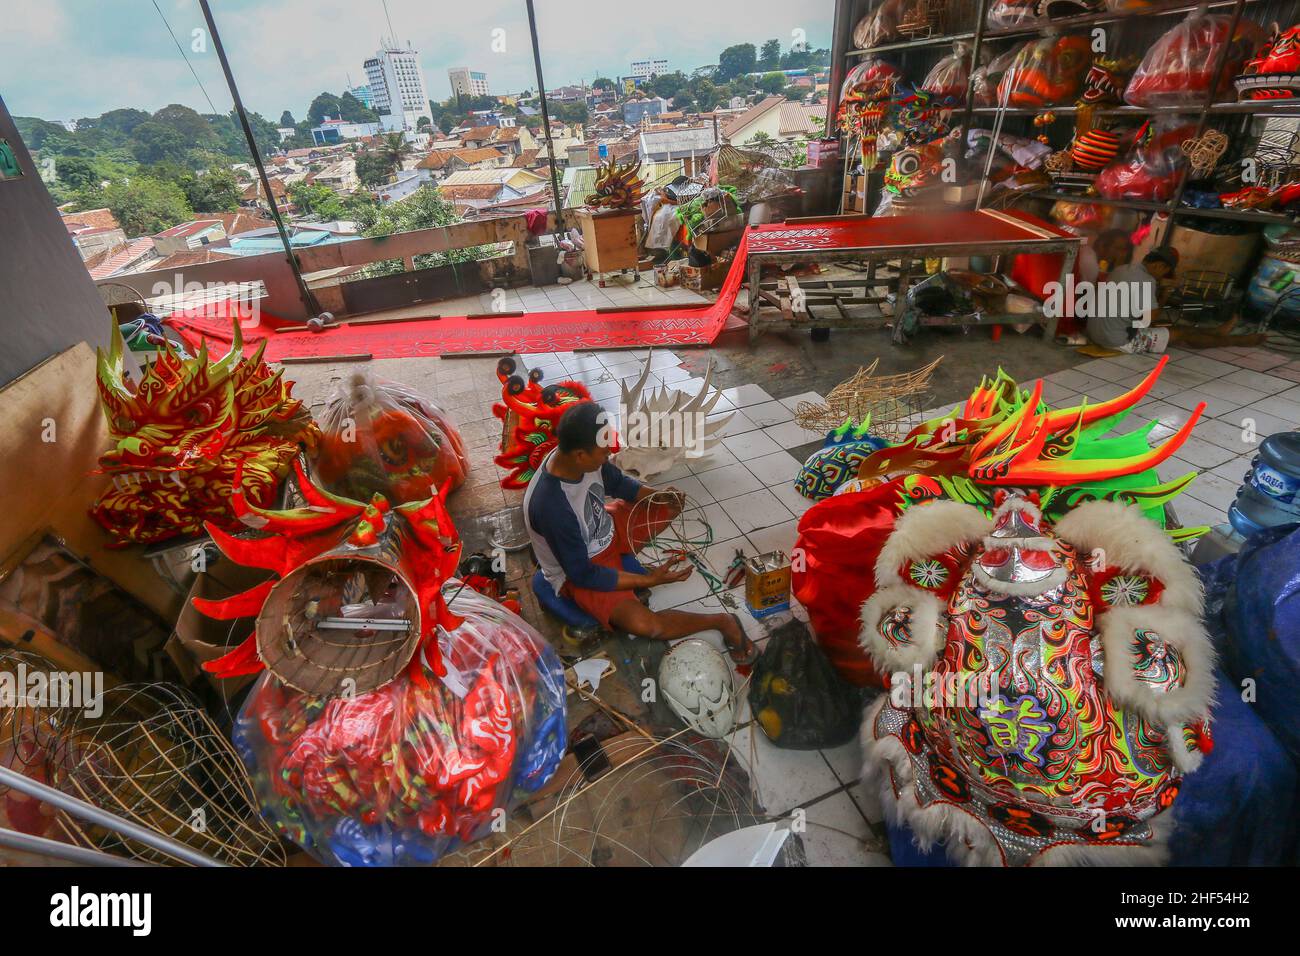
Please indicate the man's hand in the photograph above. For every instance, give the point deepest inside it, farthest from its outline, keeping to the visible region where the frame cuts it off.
(670, 572)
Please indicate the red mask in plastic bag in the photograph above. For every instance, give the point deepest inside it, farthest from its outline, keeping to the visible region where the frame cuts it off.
(1047, 72)
(1178, 70)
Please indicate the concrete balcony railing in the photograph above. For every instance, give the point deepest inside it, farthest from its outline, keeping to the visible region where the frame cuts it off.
(328, 269)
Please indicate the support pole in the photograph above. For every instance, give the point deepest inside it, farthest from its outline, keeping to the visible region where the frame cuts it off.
(305, 294)
(546, 118)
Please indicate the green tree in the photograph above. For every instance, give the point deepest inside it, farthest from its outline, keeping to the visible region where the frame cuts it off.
(736, 61)
(216, 190)
(286, 119)
(315, 200)
(795, 94)
(769, 58)
(144, 205)
(75, 172)
(602, 83)
(154, 142)
(705, 93)
(373, 169)
(325, 104)
(771, 83)
(196, 130)
(394, 149)
(354, 111)
(424, 209)
(668, 85)
(446, 123)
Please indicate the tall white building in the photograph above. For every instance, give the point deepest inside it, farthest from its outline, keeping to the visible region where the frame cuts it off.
(397, 87)
(467, 82)
(644, 69)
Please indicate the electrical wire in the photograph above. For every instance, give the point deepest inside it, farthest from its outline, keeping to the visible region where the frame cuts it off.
(181, 51)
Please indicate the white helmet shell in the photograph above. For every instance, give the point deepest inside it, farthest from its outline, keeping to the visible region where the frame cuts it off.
(697, 684)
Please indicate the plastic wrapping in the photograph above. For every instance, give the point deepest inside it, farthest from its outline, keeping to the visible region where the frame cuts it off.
(1179, 68)
(1046, 72)
(1007, 14)
(878, 26)
(869, 79)
(989, 75)
(949, 77)
(1150, 170)
(384, 437)
(405, 773)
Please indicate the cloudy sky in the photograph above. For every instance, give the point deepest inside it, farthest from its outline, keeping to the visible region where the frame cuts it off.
(64, 59)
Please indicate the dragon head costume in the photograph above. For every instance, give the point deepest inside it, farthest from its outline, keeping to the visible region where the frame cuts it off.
(184, 431)
(1050, 681)
(617, 187)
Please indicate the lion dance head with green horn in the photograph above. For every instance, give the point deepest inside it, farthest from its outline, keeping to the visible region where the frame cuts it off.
(181, 434)
(1010, 574)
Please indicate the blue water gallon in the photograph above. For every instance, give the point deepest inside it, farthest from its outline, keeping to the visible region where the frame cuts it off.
(1270, 495)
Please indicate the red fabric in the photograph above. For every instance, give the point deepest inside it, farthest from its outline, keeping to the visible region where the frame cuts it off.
(612, 328)
(840, 539)
(535, 220)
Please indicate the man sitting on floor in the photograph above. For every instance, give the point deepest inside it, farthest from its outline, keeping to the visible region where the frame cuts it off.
(1140, 326)
(580, 541)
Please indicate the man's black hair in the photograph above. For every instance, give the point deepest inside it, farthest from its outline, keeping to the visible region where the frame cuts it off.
(580, 427)
(1161, 255)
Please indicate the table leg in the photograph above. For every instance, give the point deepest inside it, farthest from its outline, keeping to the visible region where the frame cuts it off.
(755, 268)
(900, 300)
(1067, 267)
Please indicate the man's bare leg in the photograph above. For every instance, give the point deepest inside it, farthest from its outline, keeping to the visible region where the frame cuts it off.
(1219, 337)
(636, 618)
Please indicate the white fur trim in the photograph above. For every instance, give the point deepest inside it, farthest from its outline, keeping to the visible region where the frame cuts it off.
(1183, 633)
(927, 631)
(1185, 760)
(1133, 543)
(927, 530)
(965, 839)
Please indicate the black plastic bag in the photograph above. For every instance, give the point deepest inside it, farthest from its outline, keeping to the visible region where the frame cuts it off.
(796, 696)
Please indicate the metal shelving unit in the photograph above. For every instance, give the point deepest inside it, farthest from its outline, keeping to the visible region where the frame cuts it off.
(1202, 112)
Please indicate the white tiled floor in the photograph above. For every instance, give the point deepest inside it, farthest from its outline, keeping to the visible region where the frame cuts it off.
(745, 490)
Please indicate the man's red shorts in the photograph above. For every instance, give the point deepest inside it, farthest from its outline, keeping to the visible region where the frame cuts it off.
(627, 540)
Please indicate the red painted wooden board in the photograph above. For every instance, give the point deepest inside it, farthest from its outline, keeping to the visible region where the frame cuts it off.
(588, 329)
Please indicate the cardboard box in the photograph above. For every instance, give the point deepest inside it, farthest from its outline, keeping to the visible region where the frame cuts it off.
(1202, 250)
(716, 242)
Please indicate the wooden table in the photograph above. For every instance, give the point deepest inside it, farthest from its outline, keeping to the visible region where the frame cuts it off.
(877, 241)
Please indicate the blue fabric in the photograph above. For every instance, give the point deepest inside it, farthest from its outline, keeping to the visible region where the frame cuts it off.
(1260, 626)
(1239, 808)
(568, 612)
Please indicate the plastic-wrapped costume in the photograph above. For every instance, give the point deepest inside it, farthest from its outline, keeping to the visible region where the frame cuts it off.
(407, 772)
(1150, 170)
(1062, 631)
(1046, 72)
(1179, 68)
(190, 434)
(395, 721)
(949, 77)
(384, 438)
(878, 26)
